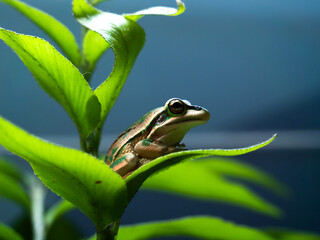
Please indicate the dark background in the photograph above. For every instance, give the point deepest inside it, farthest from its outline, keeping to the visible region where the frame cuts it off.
(255, 65)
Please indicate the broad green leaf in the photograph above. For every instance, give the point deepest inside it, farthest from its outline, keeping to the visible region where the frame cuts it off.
(7, 233)
(236, 169)
(195, 180)
(55, 29)
(125, 37)
(201, 227)
(56, 211)
(135, 180)
(76, 176)
(58, 77)
(285, 234)
(11, 189)
(94, 46)
(165, 11)
(10, 169)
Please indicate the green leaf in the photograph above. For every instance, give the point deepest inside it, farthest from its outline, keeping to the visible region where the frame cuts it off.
(58, 77)
(56, 211)
(125, 37)
(7, 233)
(11, 189)
(236, 169)
(94, 46)
(135, 180)
(164, 11)
(93, 237)
(285, 234)
(10, 170)
(55, 29)
(198, 227)
(76, 176)
(95, 2)
(195, 180)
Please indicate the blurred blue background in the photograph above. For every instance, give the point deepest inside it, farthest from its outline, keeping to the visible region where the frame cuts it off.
(255, 65)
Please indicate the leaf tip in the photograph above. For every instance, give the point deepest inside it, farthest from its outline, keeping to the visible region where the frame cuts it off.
(181, 6)
(269, 140)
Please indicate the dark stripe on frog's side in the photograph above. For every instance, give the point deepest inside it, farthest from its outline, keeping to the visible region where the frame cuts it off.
(120, 160)
(136, 132)
(108, 159)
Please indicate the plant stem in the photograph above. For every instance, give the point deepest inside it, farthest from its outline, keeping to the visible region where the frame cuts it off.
(105, 234)
(91, 143)
(115, 228)
(110, 232)
(37, 194)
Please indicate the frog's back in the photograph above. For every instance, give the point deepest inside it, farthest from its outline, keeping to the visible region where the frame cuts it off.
(128, 138)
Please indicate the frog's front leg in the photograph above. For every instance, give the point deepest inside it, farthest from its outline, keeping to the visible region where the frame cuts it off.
(149, 149)
(124, 164)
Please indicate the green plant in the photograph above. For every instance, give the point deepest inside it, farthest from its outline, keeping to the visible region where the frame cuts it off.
(102, 194)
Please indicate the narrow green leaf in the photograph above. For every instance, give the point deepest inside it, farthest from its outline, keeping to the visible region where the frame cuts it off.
(58, 77)
(7, 233)
(135, 180)
(285, 234)
(55, 29)
(164, 11)
(10, 169)
(11, 189)
(94, 46)
(195, 180)
(236, 169)
(199, 227)
(95, 2)
(76, 176)
(125, 37)
(56, 211)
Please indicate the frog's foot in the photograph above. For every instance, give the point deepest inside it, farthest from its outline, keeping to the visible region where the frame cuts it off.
(182, 146)
(143, 161)
(125, 164)
(176, 148)
(140, 163)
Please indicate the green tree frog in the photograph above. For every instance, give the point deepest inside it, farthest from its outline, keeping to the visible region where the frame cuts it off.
(157, 133)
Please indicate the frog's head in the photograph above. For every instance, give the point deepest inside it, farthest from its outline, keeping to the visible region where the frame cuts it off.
(176, 119)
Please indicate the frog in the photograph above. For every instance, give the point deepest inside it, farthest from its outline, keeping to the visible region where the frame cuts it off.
(158, 133)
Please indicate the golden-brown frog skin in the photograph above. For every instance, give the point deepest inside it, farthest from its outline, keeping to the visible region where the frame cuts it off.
(157, 133)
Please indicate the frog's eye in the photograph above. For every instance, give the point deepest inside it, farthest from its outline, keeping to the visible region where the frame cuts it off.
(176, 106)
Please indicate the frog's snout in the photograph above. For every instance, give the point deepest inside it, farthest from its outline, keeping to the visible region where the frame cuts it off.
(205, 115)
(200, 114)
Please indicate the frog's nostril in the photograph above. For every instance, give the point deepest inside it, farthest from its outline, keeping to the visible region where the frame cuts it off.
(195, 107)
